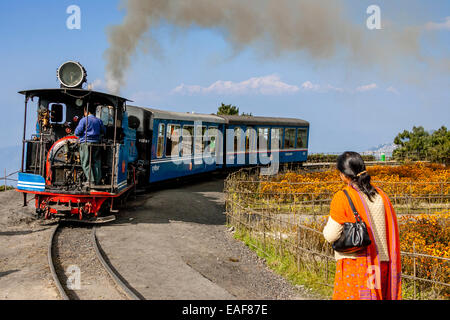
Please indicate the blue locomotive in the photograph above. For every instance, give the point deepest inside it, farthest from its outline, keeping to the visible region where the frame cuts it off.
(140, 146)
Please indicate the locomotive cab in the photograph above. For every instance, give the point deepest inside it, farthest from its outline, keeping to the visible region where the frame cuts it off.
(53, 151)
(51, 166)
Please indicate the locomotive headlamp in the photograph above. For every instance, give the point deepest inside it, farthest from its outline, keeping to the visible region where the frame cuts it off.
(79, 102)
(71, 74)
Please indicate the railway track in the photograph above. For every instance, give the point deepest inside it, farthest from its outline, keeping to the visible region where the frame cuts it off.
(80, 268)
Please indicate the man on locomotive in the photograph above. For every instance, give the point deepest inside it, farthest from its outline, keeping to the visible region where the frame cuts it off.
(90, 130)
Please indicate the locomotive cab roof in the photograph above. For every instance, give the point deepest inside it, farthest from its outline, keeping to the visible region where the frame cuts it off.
(64, 93)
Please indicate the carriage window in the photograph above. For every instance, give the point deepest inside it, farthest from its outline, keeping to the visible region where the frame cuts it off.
(237, 138)
(106, 114)
(173, 140)
(289, 138)
(263, 138)
(302, 136)
(187, 147)
(200, 138)
(212, 139)
(278, 131)
(250, 134)
(160, 146)
(204, 141)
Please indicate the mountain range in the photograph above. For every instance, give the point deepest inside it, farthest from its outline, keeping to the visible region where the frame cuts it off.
(386, 148)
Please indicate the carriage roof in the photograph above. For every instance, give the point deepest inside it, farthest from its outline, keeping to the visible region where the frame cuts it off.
(259, 121)
(183, 116)
(247, 120)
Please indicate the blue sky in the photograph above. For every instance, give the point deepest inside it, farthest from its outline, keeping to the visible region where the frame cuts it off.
(349, 106)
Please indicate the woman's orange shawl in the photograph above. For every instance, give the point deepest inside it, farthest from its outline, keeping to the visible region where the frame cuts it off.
(341, 212)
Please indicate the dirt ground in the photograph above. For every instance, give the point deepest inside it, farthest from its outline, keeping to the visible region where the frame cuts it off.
(24, 272)
(169, 244)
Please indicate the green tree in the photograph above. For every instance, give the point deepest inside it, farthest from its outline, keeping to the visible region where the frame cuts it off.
(227, 109)
(418, 144)
(439, 149)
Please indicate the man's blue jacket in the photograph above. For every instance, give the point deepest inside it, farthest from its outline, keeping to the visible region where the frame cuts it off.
(95, 128)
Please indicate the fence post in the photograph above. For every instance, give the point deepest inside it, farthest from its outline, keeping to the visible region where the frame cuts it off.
(414, 268)
(279, 231)
(264, 232)
(5, 180)
(298, 249)
(313, 203)
(410, 197)
(250, 225)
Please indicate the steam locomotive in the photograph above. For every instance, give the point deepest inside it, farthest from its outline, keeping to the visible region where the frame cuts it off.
(141, 146)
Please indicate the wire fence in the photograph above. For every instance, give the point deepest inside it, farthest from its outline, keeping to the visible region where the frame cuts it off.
(7, 178)
(314, 198)
(289, 226)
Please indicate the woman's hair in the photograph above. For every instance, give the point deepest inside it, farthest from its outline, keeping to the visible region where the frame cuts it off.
(352, 166)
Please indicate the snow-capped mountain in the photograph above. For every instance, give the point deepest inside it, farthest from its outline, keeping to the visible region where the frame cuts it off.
(386, 148)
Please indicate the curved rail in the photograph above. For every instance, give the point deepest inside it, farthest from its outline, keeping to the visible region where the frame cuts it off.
(58, 284)
(115, 276)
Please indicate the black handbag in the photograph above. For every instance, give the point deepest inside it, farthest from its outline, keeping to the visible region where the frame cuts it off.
(355, 236)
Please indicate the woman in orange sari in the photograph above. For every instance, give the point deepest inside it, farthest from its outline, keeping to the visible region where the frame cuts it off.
(373, 273)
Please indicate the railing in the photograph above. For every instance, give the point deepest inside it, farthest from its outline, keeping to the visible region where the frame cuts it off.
(7, 178)
(315, 198)
(37, 165)
(113, 163)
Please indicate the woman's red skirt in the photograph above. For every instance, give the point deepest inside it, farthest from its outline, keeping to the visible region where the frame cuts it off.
(351, 279)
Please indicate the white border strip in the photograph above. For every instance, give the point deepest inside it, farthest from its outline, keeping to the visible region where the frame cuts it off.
(31, 183)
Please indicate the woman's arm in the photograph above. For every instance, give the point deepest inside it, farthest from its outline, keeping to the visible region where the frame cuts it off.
(332, 230)
(334, 226)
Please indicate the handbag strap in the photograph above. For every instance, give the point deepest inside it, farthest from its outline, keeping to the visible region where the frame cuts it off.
(357, 217)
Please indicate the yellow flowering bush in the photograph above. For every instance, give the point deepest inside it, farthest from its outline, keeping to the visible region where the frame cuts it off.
(419, 179)
(427, 234)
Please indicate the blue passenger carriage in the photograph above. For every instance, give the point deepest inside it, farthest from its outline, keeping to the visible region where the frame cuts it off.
(183, 143)
(255, 138)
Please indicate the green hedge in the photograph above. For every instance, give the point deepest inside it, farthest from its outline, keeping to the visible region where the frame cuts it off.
(322, 157)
